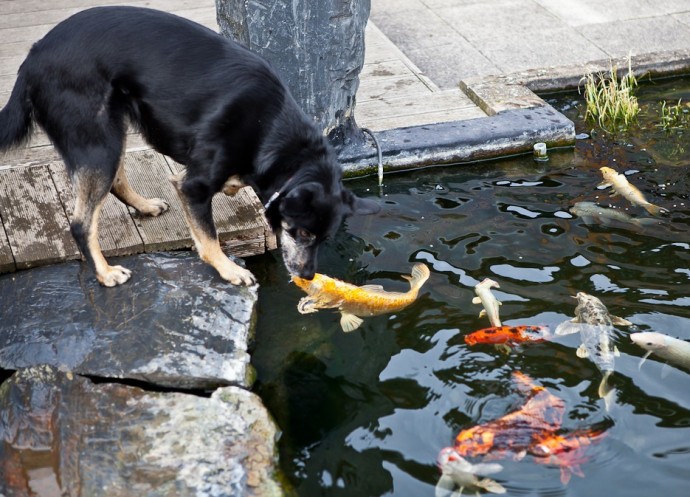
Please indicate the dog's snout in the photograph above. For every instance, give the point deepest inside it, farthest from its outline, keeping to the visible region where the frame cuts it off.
(307, 274)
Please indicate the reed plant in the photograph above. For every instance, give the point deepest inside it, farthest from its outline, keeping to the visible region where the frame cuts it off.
(610, 98)
(674, 116)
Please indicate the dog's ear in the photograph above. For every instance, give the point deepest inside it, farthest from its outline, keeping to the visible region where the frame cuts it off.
(361, 206)
(299, 201)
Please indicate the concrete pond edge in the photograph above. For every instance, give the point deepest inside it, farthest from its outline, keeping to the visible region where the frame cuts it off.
(517, 117)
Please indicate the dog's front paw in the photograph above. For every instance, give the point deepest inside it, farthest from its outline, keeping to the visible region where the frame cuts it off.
(115, 275)
(239, 276)
(154, 207)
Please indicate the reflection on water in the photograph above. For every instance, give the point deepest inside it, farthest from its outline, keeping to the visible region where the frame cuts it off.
(366, 413)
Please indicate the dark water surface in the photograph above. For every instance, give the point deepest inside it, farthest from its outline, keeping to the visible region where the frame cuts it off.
(366, 413)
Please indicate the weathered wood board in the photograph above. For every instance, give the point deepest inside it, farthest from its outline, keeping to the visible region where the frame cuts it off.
(241, 225)
(148, 174)
(37, 228)
(117, 233)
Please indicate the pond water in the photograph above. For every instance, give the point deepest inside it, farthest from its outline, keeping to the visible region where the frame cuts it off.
(366, 413)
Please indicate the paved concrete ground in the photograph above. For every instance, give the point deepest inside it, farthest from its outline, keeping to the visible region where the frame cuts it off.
(451, 40)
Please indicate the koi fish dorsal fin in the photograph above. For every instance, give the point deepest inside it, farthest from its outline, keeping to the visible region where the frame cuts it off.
(372, 288)
(420, 273)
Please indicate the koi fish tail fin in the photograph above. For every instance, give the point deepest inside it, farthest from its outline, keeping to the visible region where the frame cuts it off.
(568, 471)
(606, 391)
(491, 486)
(420, 273)
(655, 210)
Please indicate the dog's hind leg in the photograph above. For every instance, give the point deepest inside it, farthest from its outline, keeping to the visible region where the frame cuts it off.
(199, 217)
(124, 192)
(91, 188)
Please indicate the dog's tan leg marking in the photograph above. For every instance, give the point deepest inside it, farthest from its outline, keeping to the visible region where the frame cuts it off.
(106, 274)
(233, 185)
(209, 247)
(123, 191)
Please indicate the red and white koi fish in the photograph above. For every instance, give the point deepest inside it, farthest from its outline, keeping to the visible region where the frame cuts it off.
(514, 433)
(508, 335)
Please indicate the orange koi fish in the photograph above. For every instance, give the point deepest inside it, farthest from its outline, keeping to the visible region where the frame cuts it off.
(515, 432)
(568, 451)
(324, 292)
(508, 335)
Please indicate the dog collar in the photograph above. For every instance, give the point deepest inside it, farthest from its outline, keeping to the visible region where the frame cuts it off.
(278, 193)
(272, 199)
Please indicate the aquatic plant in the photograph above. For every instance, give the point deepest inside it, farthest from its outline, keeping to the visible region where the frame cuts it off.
(610, 98)
(674, 116)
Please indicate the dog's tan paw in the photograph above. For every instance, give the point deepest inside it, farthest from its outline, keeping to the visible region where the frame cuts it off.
(115, 275)
(233, 185)
(239, 276)
(154, 207)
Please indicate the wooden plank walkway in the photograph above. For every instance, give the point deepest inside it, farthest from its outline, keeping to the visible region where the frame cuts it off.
(35, 197)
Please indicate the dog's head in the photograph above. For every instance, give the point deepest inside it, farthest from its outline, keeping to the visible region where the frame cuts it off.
(306, 215)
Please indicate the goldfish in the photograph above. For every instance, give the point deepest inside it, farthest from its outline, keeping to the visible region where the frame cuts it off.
(324, 292)
(671, 349)
(589, 211)
(620, 185)
(567, 452)
(515, 432)
(508, 335)
(487, 299)
(595, 324)
(456, 472)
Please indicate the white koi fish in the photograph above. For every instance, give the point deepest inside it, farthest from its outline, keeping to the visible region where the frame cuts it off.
(620, 185)
(590, 211)
(457, 472)
(595, 324)
(487, 299)
(668, 348)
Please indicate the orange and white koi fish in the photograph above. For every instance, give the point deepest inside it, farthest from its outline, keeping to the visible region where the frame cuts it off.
(620, 185)
(508, 335)
(515, 432)
(567, 452)
(458, 473)
(487, 299)
(355, 302)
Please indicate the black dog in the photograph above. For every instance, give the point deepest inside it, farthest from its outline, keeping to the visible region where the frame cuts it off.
(203, 100)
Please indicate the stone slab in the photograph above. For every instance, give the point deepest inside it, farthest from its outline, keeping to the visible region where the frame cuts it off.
(176, 323)
(64, 435)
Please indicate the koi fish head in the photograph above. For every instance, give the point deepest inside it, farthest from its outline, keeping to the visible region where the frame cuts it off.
(607, 172)
(568, 452)
(649, 340)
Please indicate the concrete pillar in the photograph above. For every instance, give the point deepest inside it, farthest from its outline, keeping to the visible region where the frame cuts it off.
(316, 46)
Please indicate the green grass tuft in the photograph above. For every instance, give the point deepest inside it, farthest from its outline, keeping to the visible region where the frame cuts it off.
(610, 100)
(674, 116)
